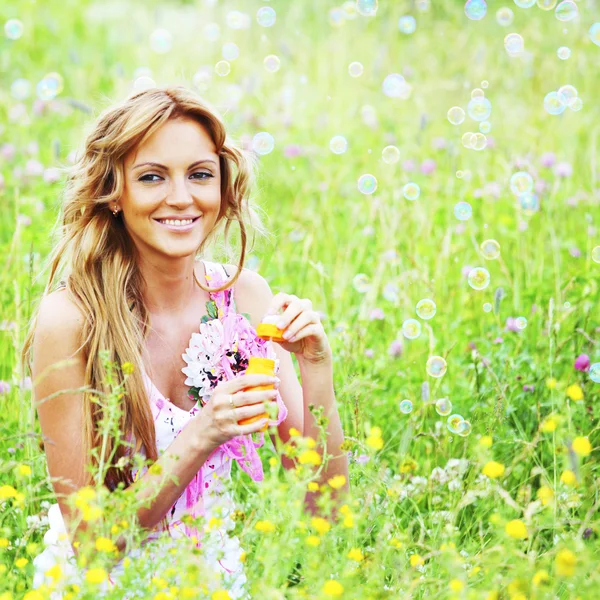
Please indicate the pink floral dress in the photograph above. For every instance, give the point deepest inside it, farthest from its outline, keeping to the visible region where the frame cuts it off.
(219, 352)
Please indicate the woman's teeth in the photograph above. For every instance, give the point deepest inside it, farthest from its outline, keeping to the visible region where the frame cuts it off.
(176, 222)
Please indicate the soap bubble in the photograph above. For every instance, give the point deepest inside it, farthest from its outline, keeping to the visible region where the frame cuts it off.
(236, 19)
(443, 407)
(467, 139)
(13, 28)
(464, 428)
(355, 69)
(454, 422)
(514, 44)
(596, 254)
(487, 307)
(266, 16)
(161, 41)
(524, 3)
(411, 329)
(479, 109)
(563, 52)
(521, 322)
(490, 249)
(566, 11)
(406, 406)
(426, 309)
(594, 33)
(436, 366)
(20, 89)
(222, 68)
(456, 115)
(576, 105)
(477, 93)
(547, 4)
(521, 182)
(475, 9)
(211, 32)
(478, 141)
(390, 155)
(484, 84)
(411, 191)
(230, 51)
(361, 283)
(567, 94)
(595, 372)
(407, 24)
(338, 144)
(272, 63)
(263, 143)
(395, 86)
(529, 203)
(479, 278)
(367, 184)
(463, 211)
(49, 86)
(504, 16)
(367, 8)
(485, 127)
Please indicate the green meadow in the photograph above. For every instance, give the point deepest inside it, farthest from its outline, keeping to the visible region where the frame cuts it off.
(457, 164)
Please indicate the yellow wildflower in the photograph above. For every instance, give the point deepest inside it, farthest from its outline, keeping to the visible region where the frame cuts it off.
(220, 595)
(96, 575)
(4, 542)
(127, 368)
(310, 457)
(19, 500)
(486, 441)
(549, 424)
(416, 560)
(565, 562)
(337, 481)
(541, 578)
(83, 495)
(516, 529)
(408, 465)
(155, 469)
(574, 392)
(21, 562)
(243, 557)
(104, 544)
(55, 572)
(7, 491)
(23, 470)
(356, 554)
(294, 432)
(375, 432)
(273, 461)
(91, 513)
(551, 383)
(159, 582)
(313, 540)
(569, 478)
(333, 588)
(31, 547)
(396, 543)
(320, 524)
(582, 446)
(493, 469)
(375, 442)
(456, 585)
(348, 521)
(33, 595)
(545, 494)
(313, 486)
(265, 526)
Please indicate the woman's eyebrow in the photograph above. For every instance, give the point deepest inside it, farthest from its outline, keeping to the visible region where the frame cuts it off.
(159, 166)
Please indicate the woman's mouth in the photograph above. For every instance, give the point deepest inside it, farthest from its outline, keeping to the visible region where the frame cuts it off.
(178, 224)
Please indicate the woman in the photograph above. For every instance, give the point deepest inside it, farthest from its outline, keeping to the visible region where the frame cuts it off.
(156, 181)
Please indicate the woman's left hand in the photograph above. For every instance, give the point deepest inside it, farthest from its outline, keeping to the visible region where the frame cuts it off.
(304, 332)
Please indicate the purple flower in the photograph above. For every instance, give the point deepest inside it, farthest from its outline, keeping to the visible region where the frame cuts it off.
(369, 353)
(582, 363)
(362, 459)
(499, 340)
(540, 186)
(8, 151)
(575, 252)
(477, 193)
(34, 167)
(25, 384)
(547, 159)
(408, 165)
(491, 141)
(428, 166)
(292, 151)
(51, 175)
(511, 325)
(493, 189)
(438, 143)
(563, 169)
(466, 270)
(377, 313)
(395, 349)
(23, 220)
(4, 387)
(528, 388)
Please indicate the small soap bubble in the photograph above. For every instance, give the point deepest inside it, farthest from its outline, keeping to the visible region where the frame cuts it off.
(236, 19)
(411, 329)
(566, 11)
(230, 51)
(521, 182)
(576, 105)
(407, 24)
(436, 366)
(211, 32)
(263, 143)
(567, 94)
(391, 292)
(479, 278)
(487, 307)
(594, 33)
(478, 141)
(161, 41)
(456, 115)
(459, 174)
(361, 283)
(390, 155)
(595, 372)
(514, 44)
(367, 8)
(355, 69)
(406, 407)
(596, 254)
(454, 422)
(49, 86)
(222, 68)
(490, 249)
(521, 322)
(524, 3)
(475, 9)
(477, 93)
(485, 127)
(546, 4)
(529, 203)
(13, 29)
(20, 89)
(464, 428)
(467, 139)
(395, 86)
(504, 16)
(367, 184)
(443, 407)
(411, 191)
(272, 63)
(266, 16)
(426, 309)
(479, 109)
(485, 84)
(463, 211)
(338, 144)
(563, 52)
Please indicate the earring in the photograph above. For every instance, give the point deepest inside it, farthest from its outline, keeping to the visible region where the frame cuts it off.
(115, 212)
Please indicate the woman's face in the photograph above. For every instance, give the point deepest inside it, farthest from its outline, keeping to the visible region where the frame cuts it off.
(184, 183)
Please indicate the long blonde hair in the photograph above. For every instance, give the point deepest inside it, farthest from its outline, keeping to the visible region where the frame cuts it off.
(100, 259)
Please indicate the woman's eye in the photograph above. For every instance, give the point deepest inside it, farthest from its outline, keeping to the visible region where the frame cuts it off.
(144, 178)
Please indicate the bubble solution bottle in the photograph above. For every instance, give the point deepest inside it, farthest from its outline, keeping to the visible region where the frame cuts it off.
(266, 330)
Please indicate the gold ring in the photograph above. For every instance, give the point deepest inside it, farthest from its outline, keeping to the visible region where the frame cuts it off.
(231, 401)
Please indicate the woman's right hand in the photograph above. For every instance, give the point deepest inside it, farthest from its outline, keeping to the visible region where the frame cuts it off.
(217, 422)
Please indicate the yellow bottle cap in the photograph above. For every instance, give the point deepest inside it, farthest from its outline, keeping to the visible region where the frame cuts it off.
(268, 331)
